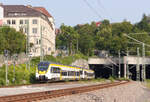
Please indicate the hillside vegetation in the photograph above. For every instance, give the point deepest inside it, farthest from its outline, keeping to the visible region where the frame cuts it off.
(22, 75)
(87, 38)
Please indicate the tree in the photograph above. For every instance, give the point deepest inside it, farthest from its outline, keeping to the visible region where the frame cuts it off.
(69, 36)
(144, 24)
(103, 36)
(86, 44)
(87, 40)
(12, 40)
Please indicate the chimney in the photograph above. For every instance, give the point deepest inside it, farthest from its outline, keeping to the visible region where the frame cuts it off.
(29, 6)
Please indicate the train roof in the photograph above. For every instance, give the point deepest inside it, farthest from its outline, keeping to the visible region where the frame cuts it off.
(49, 62)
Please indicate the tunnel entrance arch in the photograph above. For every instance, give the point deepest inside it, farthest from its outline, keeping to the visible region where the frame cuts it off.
(102, 71)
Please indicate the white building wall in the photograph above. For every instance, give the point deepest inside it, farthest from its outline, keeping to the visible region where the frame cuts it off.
(1, 12)
(48, 37)
(48, 33)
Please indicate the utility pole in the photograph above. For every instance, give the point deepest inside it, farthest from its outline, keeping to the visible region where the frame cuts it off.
(15, 58)
(6, 70)
(143, 66)
(14, 71)
(138, 66)
(113, 72)
(41, 48)
(127, 74)
(27, 45)
(6, 52)
(29, 62)
(119, 72)
(77, 45)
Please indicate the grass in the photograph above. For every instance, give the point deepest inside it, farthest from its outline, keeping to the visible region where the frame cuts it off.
(148, 83)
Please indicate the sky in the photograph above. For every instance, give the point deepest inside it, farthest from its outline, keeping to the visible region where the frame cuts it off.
(73, 12)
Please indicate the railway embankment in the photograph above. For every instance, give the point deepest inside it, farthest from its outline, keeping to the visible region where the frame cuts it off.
(58, 91)
(132, 92)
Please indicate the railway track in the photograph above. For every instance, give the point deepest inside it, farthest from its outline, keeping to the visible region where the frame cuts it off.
(56, 93)
(40, 84)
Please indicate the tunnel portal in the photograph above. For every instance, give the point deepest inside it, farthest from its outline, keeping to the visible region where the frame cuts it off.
(102, 71)
(106, 71)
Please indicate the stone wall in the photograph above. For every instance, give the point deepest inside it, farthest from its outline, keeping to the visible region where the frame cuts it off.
(20, 59)
(81, 63)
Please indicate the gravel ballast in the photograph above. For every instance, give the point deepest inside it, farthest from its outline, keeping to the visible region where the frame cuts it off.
(132, 92)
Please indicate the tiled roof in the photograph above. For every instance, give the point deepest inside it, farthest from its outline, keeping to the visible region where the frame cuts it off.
(98, 24)
(26, 11)
(42, 10)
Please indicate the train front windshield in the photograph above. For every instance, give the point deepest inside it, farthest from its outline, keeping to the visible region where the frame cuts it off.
(43, 66)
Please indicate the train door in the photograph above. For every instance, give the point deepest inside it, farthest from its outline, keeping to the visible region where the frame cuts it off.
(60, 74)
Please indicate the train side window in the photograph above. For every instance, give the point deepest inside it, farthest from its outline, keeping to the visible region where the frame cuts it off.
(85, 73)
(70, 73)
(51, 70)
(81, 72)
(55, 69)
(64, 73)
(77, 73)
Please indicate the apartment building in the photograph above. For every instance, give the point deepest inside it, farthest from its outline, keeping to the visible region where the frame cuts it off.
(36, 22)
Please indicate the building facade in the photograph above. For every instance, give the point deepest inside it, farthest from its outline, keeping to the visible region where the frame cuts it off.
(35, 22)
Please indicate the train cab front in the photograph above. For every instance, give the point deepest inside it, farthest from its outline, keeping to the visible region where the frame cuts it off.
(43, 78)
(41, 74)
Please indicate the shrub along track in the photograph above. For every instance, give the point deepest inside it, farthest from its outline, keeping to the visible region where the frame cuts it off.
(56, 93)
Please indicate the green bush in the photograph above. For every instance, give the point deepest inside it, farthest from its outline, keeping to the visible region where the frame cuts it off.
(59, 59)
(20, 74)
(111, 79)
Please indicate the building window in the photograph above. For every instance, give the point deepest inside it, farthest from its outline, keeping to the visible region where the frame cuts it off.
(21, 21)
(21, 29)
(34, 30)
(13, 22)
(37, 41)
(35, 50)
(49, 49)
(8, 22)
(26, 30)
(34, 21)
(17, 14)
(26, 21)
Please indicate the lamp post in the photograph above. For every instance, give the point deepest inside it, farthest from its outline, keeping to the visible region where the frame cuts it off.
(138, 66)
(6, 53)
(143, 65)
(28, 45)
(15, 58)
(41, 52)
(26, 29)
(119, 65)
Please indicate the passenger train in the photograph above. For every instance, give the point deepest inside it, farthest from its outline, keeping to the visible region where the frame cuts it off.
(48, 71)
